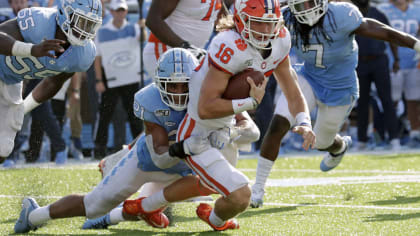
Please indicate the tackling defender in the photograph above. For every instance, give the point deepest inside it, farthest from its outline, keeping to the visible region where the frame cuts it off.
(162, 106)
(69, 30)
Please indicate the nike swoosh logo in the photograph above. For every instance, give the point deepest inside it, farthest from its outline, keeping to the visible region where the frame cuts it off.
(240, 104)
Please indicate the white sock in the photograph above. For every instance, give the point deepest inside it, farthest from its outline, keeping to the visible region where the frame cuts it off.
(40, 215)
(154, 202)
(414, 133)
(263, 170)
(215, 220)
(116, 216)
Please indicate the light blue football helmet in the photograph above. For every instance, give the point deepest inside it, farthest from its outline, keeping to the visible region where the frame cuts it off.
(79, 19)
(174, 66)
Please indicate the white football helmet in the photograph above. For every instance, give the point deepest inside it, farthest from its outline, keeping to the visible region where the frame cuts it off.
(308, 11)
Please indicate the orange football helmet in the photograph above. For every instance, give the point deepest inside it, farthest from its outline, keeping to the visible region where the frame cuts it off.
(260, 12)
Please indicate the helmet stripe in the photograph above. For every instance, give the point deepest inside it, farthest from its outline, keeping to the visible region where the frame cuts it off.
(177, 61)
(268, 6)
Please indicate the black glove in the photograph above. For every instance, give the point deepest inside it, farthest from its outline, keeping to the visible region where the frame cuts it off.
(199, 53)
(177, 150)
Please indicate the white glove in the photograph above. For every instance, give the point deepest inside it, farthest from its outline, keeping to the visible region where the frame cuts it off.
(195, 145)
(199, 53)
(162, 161)
(221, 137)
(417, 48)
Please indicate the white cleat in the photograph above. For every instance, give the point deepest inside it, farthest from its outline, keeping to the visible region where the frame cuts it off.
(257, 196)
(330, 162)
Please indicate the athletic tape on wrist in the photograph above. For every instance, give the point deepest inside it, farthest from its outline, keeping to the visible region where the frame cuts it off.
(29, 103)
(303, 118)
(21, 49)
(417, 46)
(240, 105)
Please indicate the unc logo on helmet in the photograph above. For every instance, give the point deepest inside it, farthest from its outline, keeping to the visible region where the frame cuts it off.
(247, 12)
(174, 67)
(79, 19)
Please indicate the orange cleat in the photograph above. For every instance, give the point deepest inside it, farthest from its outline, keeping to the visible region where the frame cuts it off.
(203, 212)
(154, 218)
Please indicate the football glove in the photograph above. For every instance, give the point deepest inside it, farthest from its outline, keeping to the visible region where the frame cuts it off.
(199, 53)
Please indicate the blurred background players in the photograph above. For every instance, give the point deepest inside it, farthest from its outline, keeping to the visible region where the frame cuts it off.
(117, 72)
(405, 16)
(373, 67)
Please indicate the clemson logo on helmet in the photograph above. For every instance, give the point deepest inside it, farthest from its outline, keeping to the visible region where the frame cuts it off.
(241, 44)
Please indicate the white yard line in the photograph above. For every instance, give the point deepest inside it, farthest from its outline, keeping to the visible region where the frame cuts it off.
(341, 206)
(337, 171)
(294, 182)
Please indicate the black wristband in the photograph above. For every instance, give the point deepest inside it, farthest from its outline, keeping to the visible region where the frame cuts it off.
(177, 150)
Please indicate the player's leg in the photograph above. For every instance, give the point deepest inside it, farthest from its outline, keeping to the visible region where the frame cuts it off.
(215, 172)
(279, 126)
(11, 108)
(328, 124)
(106, 109)
(412, 94)
(125, 179)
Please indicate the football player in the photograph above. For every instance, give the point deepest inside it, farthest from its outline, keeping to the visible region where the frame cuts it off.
(69, 30)
(179, 23)
(324, 34)
(254, 38)
(162, 106)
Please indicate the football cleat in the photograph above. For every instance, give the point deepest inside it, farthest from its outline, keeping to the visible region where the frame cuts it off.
(156, 218)
(99, 223)
(23, 225)
(203, 212)
(257, 197)
(330, 161)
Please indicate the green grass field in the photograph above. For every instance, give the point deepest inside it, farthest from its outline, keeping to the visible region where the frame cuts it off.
(365, 195)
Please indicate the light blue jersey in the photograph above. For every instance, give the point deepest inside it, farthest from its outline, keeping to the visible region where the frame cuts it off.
(330, 66)
(149, 107)
(407, 22)
(36, 24)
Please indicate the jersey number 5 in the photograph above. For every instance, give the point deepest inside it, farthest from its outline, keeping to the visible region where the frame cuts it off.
(29, 21)
(224, 54)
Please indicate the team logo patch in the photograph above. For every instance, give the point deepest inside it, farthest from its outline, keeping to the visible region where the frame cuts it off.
(263, 65)
(241, 44)
(162, 112)
(170, 123)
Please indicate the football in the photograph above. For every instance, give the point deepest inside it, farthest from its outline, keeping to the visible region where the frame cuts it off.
(238, 87)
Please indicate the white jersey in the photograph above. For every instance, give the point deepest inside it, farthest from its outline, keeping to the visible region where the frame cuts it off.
(193, 20)
(230, 53)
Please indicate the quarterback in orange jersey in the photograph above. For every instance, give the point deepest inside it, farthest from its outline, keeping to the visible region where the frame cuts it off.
(254, 38)
(179, 23)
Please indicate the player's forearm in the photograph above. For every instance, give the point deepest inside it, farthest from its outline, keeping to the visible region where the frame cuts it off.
(214, 108)
(164, 33)
(49, 87)
(380, 31)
